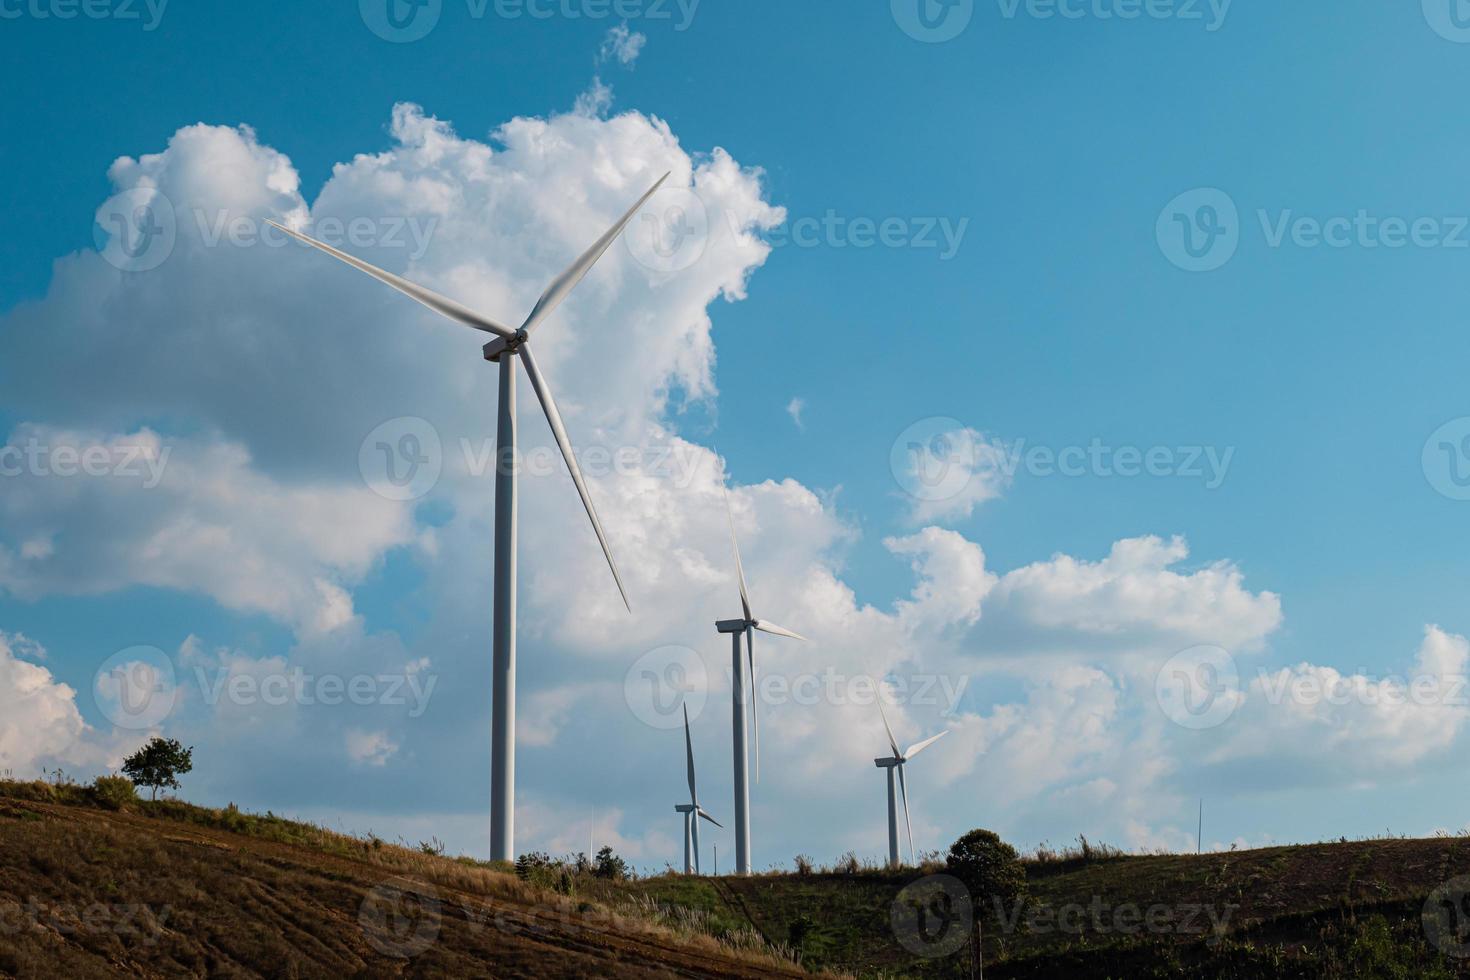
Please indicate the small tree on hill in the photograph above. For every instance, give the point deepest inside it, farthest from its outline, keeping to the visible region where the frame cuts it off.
(609, 865)
(160, 763)
(989, 867)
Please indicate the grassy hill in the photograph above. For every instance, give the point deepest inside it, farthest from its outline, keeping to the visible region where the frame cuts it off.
(167, 890)
(98, 887)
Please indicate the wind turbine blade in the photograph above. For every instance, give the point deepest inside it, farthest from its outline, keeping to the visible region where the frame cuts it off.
(904, 788)
(694, 829)
(710, 819)
(892, 743)
(553, 416)
(918, 747)
(439, 304)
(755, 712)
(563, 284)
(739, 567)
(689, 753)
(765, 627)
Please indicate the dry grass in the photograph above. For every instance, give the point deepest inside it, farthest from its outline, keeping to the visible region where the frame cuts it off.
(217, 892)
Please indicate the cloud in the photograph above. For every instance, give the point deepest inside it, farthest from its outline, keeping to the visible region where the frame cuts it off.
(794, 408)
(1135, 596)
(1313, 719)
(198, 518)
(621, 45)
(370, 748)
(40, 724)
(948, 472)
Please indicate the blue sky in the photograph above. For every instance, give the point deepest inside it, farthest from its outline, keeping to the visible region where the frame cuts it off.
(1053, 148)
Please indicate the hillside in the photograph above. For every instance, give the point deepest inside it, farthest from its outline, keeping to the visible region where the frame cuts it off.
(1348, 910)
(167, 889)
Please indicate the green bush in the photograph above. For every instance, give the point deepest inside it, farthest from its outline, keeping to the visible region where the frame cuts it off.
(990, 868)
(610, 866)
(114, 792)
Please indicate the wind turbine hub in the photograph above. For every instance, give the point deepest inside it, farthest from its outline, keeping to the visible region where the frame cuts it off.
(505, 345)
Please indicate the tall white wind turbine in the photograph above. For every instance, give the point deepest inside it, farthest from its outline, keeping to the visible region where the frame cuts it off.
(896, 763)
(507, 345)
(746, 628)
(692, 811)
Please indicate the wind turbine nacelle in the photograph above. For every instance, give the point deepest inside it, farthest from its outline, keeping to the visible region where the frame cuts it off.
(731, 625)
(886, 763)
(501, 345)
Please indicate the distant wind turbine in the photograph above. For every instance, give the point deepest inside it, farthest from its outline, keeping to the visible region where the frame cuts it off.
(896, 762)
(503, 350)
(737, 628)
(692, 811)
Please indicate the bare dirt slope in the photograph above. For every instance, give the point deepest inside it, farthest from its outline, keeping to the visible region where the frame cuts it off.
(91, 893)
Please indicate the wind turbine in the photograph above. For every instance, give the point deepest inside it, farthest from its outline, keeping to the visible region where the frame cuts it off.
(503, 350)
(692, 811)
(737, 628)
(896, 762)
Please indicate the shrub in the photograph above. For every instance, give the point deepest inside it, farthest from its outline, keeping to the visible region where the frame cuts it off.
(114, 792)
(800, 928)
(610, 866)
(989, 867)
(803, 864)
(848, 864)
(536, 868)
